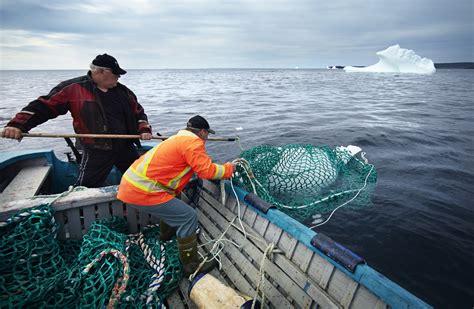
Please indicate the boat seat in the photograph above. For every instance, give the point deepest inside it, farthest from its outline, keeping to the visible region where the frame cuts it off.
(26, 183)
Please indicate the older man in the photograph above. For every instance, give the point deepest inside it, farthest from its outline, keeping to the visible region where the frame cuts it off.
(98, 104)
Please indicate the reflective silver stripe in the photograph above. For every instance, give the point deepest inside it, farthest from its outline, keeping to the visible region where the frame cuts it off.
(173, 183)
(143, 166)
(137, 176)
(220, 171)
(144, 183)
(26, 112)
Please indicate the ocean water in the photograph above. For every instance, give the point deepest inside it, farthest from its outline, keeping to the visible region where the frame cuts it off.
(418, 131)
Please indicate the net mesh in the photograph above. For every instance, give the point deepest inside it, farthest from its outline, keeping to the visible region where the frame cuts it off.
(304, 180)
(106, 268)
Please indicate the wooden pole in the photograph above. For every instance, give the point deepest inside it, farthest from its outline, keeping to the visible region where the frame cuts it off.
(115, 136)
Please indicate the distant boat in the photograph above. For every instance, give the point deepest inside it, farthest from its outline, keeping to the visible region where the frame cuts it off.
(334, 67)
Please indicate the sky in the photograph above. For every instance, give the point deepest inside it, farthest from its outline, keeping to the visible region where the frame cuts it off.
(173, 34)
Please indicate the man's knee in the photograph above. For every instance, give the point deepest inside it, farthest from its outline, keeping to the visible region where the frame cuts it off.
(190, 224)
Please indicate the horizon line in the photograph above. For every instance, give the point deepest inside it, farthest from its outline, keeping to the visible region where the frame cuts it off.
(228, 68)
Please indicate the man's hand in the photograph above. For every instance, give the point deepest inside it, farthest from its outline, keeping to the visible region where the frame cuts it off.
(146, 136)
(12, 132)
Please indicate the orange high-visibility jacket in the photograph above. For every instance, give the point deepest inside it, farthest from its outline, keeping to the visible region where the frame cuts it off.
(162, 172)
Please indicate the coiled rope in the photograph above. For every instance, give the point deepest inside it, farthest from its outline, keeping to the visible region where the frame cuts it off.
(121, 283)
(157, 265)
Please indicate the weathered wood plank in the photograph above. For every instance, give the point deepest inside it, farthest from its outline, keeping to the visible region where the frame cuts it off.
(232, 205)
(212, 189)
(260, 225)
(350, 292)
(74, 223)
(311, 288)
(61, 233)
(250, 216)
(288, 244)
(86, 197)
(273, 233)
(247, 268)
(70, 200)
(132, 219)
(338, 285)
(320, 270)
(89, 216)
(231, 202)
(380, 305)
(26, 183)
(229, 216)
(363, 298)
(251, 272)
(235, 278)
(103, 211)
(284, 271)
(302, 256)
(117, 209)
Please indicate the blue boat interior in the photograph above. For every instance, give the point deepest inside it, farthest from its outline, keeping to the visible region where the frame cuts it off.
(62, 175)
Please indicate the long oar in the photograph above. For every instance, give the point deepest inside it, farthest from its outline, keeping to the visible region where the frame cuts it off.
(118, 136)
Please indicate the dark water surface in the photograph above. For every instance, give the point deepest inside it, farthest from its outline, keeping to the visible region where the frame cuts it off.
(417, 130)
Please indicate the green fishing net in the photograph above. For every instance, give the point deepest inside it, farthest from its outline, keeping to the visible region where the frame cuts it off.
(307, 180)
(107, 267)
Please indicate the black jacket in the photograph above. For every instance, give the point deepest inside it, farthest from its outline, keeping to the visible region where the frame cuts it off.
(79, 97)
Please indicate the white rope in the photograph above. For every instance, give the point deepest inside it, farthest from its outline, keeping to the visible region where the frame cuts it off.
(248, 171)
(261, 283)
(222, 186)
(247, 166)
(58, 196)
(270, 247)
(347, 202)
(217, 245)
(157, 265)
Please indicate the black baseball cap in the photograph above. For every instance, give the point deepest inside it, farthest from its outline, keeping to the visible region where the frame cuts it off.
(107, 61)
(198, 122)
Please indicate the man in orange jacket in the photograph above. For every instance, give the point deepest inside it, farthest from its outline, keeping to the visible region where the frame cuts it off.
(154, 181)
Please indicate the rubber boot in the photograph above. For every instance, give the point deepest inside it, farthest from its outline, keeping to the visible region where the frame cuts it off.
(166, 232)
(188, 255)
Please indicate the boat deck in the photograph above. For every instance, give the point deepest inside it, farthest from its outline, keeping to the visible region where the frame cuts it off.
(293, 275)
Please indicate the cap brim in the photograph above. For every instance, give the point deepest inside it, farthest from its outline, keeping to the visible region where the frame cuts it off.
(120, 71)
(211, 131)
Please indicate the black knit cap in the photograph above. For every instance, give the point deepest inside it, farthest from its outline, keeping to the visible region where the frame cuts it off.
(107, 61)
(198, 122)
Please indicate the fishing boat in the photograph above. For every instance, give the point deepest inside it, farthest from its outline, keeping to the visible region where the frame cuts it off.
(267, 255)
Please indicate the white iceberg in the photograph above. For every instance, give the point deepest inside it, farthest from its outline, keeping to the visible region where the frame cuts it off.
(396, 59)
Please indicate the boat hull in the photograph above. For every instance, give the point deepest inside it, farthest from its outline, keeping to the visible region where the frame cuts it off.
(295, 273)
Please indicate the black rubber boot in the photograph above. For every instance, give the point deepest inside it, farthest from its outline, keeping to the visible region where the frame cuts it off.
(188, 255)
(166, 232)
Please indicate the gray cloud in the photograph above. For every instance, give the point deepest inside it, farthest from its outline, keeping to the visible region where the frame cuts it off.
(199, 34)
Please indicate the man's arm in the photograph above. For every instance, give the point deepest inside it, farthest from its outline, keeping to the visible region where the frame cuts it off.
(144, 128)
(202, 164)
(41, 110)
